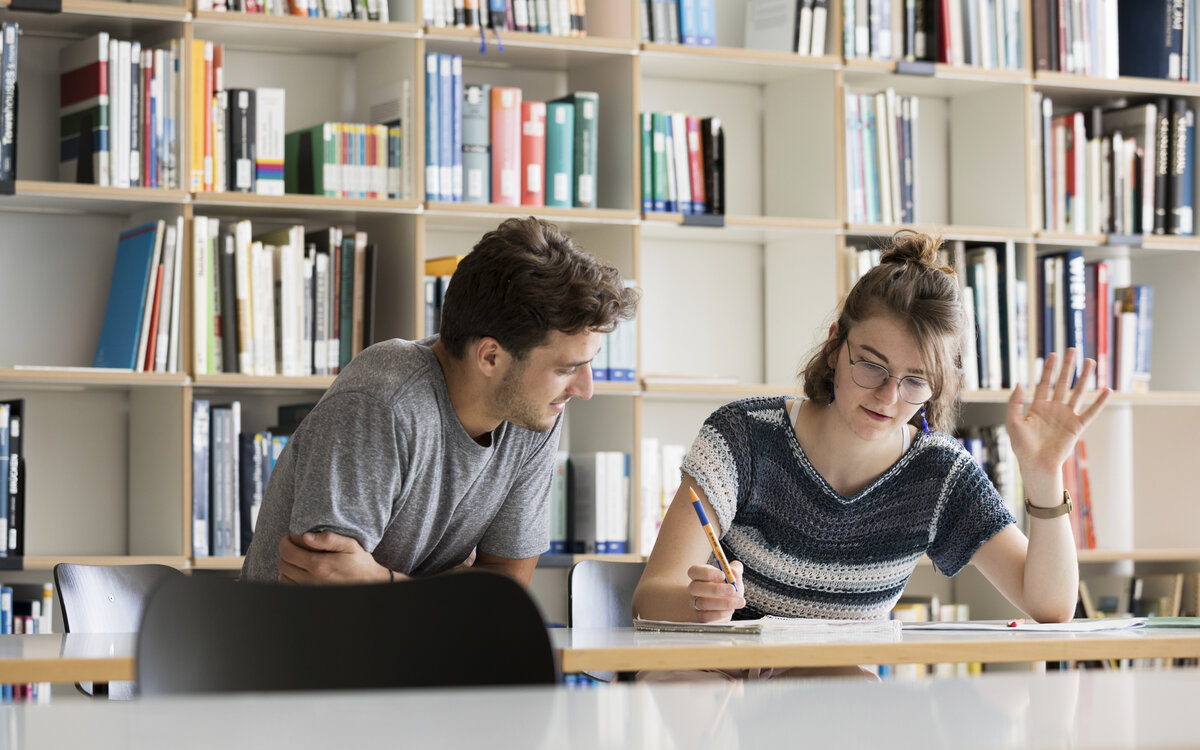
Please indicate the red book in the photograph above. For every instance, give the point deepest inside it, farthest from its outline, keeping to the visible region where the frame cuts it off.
(1070, 471)
(153, 335)
(533, 153)
(506, 145)
(1085, 498)
(943, 31)
(696, 162)
(1103, 315)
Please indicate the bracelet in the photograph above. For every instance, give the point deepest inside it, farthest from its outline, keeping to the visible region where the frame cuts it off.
(1058, 510)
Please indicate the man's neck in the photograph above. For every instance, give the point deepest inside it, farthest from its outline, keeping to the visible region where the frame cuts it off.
(466, 391)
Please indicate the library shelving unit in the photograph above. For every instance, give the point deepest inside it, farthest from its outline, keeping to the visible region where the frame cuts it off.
(109, 453)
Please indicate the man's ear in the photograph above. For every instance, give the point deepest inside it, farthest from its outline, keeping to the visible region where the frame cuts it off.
(489, 356)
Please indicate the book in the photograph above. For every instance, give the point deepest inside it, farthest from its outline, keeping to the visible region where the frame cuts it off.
(14, 479)
(585, 156)
(84, 111)
(120, 334)
(506, 145)
(201, 458)
(769, 623)
(1149, 44)
(533, 153)
(771, 25)
(476, 144)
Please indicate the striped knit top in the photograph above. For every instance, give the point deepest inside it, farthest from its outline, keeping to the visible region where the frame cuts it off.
(810, 552)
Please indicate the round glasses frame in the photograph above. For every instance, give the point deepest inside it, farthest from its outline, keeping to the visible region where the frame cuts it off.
(912, 390)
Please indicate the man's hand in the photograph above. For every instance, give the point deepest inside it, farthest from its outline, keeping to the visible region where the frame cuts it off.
(325, 557)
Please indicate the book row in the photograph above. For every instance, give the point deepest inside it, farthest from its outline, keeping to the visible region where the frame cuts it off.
(237, 135)
(26, 608)
(142, 318)
(787, 26)
(1094, 307)
(9, 34)
(285, 302)
(344, 160)
(556, 17)
(683, 163)
(230, 471)
(881, 159)
(120, 112)
(689, 22)
(1110, 38)
(363, 10)
(589, 503)
(12, 478)
(980, 33)
(1120, 171)
(487, 144)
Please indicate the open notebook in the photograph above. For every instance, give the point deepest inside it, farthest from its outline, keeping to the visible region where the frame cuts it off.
(772, 623)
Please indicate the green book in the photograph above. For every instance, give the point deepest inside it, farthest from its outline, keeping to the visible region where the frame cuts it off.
(587, 133)
(346, 302)
(560, 154)
(308, 155)
(659, 148)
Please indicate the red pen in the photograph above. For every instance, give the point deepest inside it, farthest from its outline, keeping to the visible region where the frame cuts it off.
(1016, 622)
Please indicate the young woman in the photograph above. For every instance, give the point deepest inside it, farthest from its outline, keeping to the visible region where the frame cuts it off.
(825, 504)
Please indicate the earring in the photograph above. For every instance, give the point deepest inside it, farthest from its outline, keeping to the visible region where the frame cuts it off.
(830, 396)
(924, 424)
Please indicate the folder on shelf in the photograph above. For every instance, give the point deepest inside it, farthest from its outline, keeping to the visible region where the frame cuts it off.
(118, 346)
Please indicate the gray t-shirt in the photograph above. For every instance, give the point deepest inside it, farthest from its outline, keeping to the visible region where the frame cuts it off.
(383, 458)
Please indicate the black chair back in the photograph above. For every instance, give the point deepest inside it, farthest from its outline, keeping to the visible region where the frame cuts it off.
(473, 628)
(107, 599)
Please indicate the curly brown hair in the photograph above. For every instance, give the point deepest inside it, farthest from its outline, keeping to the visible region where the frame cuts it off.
(913, 287)
(523, 280)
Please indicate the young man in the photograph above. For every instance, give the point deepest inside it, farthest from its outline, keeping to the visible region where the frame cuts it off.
(423, 456)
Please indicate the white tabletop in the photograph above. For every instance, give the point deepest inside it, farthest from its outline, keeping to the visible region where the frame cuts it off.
(626, 649)
(1080, 709)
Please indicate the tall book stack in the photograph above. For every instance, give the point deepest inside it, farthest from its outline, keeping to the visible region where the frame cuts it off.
(683, 163)
(599, 510)
(285, 302)
(881, 159)
(556, 17)
(488, 144)
(1119, 171)
(119, 115)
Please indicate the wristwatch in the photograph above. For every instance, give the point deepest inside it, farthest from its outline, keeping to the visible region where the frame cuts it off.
(1055, 512)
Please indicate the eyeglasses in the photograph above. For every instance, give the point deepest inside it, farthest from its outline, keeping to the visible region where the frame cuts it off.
(871, 376)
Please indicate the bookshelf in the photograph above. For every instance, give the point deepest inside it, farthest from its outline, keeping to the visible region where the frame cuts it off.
(109, 453)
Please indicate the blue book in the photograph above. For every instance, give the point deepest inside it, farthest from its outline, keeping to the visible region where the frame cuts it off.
(118, 345)
(278, 443)
(496, 14)
(689, 22)
(432, 118)
(200, 480)
(869, 156)
(647, 120)
(446, 111)
(456, 126)
(1185, 223)
(1075, 295)
(706, 14)
(1144, 296)
(1147, 45)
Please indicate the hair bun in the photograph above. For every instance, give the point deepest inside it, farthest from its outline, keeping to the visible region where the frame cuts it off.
(913, 247)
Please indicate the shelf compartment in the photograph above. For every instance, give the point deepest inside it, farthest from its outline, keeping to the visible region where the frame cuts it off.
(57, 377)
(947, 232)
(659, 225)
(81, 18)
(38, 196)
(948, 81)
(252, 205)
(297, 33)
(525, 50)
(47, 562)
(1053, 82)
(264, 382)
(728, 64)
(485, 216)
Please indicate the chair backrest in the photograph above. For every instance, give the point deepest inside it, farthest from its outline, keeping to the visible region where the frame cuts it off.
(107, 599)
(474, 628)
(601, 593)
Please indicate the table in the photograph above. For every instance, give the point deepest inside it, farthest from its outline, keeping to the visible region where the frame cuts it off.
(1079, 709)
(625, 649)
(73, 657)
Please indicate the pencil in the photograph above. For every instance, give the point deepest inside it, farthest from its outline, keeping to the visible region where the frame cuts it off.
(712, 540)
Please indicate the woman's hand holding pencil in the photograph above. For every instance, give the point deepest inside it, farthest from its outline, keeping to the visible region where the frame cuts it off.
(715, 592)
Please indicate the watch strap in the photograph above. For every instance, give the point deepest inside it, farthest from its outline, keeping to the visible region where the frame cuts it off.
(1058, 510)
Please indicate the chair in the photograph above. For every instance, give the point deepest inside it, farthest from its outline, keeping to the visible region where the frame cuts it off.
(107, 599)
(601, 596)
(204, 635)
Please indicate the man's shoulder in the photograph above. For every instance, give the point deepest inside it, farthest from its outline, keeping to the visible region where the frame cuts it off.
(388, 369)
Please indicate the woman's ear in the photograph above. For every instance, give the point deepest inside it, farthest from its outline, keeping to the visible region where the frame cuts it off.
(831, 360)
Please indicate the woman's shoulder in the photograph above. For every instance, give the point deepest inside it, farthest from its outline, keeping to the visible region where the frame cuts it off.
(760, 408)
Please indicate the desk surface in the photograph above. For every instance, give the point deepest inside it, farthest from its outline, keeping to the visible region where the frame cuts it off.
(1080, 709)
(77, 657)
(625, 649)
